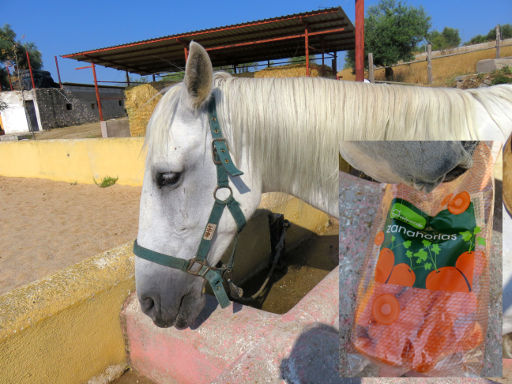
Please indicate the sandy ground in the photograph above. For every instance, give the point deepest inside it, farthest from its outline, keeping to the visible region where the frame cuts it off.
(46, 226)
(83, 131)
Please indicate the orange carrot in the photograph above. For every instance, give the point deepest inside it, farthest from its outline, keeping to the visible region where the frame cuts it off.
(402, 274)
(446, 279)
(466, 264)
(459, 203)
(384, 265)
(379, 238)
(446, 199)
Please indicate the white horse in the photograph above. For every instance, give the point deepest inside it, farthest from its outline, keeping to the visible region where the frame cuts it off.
(284, 135)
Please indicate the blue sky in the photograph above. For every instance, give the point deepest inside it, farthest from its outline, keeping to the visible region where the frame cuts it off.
(61, 27)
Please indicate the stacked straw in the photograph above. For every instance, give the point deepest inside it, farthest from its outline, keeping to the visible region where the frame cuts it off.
(140, 102)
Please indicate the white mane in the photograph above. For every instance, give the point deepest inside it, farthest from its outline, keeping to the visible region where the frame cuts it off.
(290, 139)
(274, 117)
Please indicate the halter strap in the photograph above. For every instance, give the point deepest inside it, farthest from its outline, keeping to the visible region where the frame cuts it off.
(198, 265)
(219, 144)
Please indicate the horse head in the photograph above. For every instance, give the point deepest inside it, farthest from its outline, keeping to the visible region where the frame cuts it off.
(420, 164)
(180, 187)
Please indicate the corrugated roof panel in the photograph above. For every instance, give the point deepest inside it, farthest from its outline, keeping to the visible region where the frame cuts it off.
(167, 53)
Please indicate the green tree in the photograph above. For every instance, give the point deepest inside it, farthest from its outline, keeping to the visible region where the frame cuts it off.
(448, 38)
(13, 52)
(392, 31)
(506, 33)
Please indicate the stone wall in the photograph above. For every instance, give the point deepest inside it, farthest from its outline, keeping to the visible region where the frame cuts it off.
(75, 104)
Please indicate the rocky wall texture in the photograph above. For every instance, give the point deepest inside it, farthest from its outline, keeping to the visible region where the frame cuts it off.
(65, 107)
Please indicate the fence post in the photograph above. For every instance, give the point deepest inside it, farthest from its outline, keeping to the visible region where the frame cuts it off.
(429, 63)
(371, 75)
(498, 38)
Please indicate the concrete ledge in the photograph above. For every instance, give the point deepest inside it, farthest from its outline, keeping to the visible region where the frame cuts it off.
(240, 344)
(66, 328)
(79, 160)
(490, 65)
(115, 128)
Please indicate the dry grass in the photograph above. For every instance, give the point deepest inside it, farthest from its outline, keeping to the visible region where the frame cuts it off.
(84, 131)
(444, 69)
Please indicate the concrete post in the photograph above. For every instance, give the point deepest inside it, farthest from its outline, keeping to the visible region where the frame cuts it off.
(498, 38)
(371, 75)
(429, 63)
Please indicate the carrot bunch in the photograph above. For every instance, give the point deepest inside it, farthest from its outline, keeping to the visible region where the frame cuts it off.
(420, 331)
(416, 328)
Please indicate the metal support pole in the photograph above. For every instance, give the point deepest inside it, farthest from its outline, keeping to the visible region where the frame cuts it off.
(306, 35)
(498, 38)
(234, 69)
(58, 72)
(371, 75)
(30, 69)
(98, 100)
(127, 78)
(334, 64)
(154, 78)
(186, 53)
(9, 76)
(322, 58)
(429, 63)
(359, 48)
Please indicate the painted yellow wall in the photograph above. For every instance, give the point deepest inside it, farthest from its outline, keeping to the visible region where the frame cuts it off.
(78, 160)
(66, 328)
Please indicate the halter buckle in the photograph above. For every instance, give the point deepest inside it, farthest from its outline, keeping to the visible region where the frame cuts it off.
(198, 271)
(215, 155)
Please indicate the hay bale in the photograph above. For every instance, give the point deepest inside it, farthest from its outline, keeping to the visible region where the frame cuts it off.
(245, 74)
(140, 102)
(295, 70)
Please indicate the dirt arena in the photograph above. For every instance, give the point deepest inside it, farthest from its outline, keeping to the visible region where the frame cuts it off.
(46, 225)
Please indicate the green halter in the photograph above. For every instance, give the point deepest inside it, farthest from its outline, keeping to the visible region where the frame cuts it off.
(198, 266)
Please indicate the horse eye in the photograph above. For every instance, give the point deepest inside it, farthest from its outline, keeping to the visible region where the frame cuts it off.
(167, 178)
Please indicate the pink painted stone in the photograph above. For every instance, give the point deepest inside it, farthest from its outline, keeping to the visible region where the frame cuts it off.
(507, 369)
(239, 344)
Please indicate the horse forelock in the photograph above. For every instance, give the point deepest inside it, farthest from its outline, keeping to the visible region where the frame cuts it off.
(158, 134)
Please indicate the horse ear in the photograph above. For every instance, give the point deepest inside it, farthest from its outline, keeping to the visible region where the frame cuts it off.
(198, 74)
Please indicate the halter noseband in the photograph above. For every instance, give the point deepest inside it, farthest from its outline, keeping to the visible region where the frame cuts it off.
(198, 266)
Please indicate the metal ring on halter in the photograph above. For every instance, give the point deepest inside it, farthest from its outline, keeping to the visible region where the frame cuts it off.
(227, 198)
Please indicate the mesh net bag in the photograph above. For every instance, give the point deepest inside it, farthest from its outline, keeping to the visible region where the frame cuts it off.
(423, 297)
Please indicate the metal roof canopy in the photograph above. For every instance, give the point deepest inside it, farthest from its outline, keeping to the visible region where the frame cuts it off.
(326, 30)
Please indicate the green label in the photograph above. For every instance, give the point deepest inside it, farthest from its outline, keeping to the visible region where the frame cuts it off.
(427, 252)
(407, 215)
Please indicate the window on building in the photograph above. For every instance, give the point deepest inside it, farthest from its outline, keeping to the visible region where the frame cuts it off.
(120, 103)
(92, 106)
(69, 107)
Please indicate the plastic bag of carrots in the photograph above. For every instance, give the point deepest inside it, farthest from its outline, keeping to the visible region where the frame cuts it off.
(423, 298)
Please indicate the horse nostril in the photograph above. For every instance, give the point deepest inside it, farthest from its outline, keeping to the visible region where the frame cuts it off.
(454, 173)
(147, 304)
